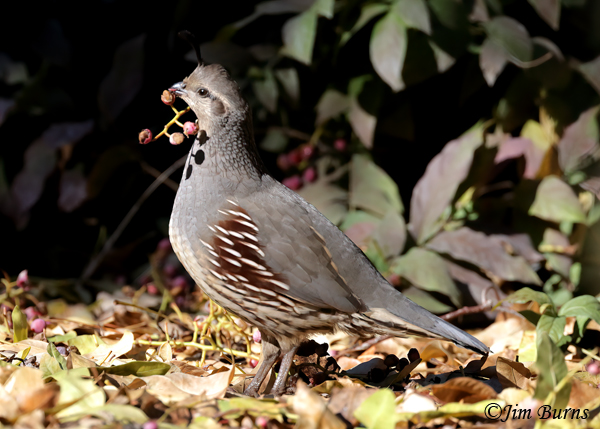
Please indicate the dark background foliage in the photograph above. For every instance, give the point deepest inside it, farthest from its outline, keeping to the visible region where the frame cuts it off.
(97, 71)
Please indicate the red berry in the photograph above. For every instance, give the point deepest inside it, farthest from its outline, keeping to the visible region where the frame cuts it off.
(340, 144)
(167, 97)
(152, 289)
(176, 139)
(309, 175)
(283, 162)
(145, 136)
(37, 325)
(150, 425)
(294, 182)
(257, 336)
(294, 157)
(190, 128)
(307, 151)
(253, 363)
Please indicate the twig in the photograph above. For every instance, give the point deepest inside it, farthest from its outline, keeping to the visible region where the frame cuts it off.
(156, 173)
(108, 245)
(467, 310)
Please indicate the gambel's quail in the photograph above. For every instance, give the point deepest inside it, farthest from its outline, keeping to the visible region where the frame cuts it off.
(263, 253)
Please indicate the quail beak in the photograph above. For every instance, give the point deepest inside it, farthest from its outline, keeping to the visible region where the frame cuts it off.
(178, 89)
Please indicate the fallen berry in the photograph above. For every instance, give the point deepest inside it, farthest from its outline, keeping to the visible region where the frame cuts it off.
(190, 129)
(261, 422)
(257, 336)
(340, 145)
(32, 313)
(37, 325)
(294, 182)
(253, 363)
(152, 289)
(309, 175)
(150, 425)
(167, 97)
(145, 136)
(176, 139)
(593, 367)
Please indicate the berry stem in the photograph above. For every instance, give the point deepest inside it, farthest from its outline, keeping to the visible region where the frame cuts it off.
(175, 120)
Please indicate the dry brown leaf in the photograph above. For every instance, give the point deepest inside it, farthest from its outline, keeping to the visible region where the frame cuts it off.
(186, 368)
(512, 374)
(312, 410)
(345, 401)
(581, 394)
(9, 409)
(465, 389)
(40, 399)
(347, 363)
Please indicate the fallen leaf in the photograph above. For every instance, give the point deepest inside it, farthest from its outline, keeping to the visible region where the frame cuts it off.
(464, 389)
(512, 374)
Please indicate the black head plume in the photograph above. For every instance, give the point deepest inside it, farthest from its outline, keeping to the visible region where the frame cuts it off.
(191, 39)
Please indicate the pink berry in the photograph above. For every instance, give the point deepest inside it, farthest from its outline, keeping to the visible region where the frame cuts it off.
(261, 422)
(190, 128)
(37, 325)
(145, 136)
(593, 367)
(23, 278)
(176, 139)
(150, 425)
(253, 363)
(283, 162)
(295, 157)
(257, 336)
(170, 270)
(164, 245)
(152, 289)
(167, 97)
(340, 144)
(307, 151)
(294, 182)
(179, 282)
(309, 175)
(32, 313)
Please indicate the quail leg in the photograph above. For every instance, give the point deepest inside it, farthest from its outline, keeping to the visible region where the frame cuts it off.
(284, 369)
(270, 354)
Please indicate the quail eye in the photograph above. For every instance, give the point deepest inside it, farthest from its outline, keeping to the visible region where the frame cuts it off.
(203, 92)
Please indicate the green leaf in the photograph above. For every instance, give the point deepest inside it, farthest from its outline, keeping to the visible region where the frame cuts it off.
(358, 216)
(137, 368)
(426, 300)
(85, 343)
(414, 13)
(331, 104)
(427, 270)
(552, 326)
(83, 394)
(20, 326)
(555, 201)
(584, 308)
(443, 59)
(275, 141)
(266, 91)
(390, 234)
(548, 10)
(298, 35)
(63, 338)
(362, 122)
(323, 8)
(367, 13)
(451, 14)
(378, 411)
(52, 351)
(525, 295)
(512, 37)
(436, 189)
(371, 188)
(387, 49)
(492, 60)
(552, 369)
(290, 82)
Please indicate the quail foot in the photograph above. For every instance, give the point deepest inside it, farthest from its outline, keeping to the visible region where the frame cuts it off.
(262, 252)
